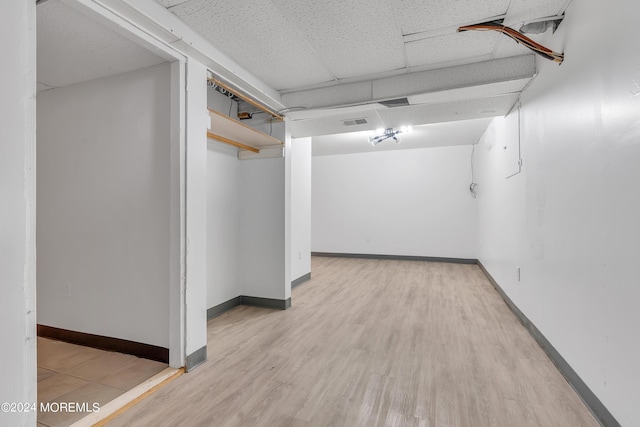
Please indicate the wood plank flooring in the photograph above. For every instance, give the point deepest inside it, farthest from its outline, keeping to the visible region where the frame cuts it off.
(371, 343)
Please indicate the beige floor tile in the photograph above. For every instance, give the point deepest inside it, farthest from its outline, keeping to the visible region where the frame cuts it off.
(45, 343)
(43, 373)
(57, 385)
(133, 374)
(100, 366)
(90, 393)
(59, 356)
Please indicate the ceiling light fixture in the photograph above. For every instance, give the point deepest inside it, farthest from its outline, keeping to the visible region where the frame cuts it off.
(382, 134)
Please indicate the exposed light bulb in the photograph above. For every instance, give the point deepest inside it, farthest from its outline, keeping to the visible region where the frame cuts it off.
(380, 131)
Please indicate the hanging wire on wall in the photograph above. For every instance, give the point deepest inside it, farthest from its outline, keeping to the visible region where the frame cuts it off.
(474, 184)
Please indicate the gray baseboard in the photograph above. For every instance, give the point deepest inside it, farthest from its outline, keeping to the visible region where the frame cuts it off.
(398, 257)
(599, 411)
(300, 280)
(196, 359)
(278, 304)
(225, 306)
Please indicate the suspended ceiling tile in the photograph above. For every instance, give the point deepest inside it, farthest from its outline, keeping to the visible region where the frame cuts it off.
(508, 47)
(73, 48)
(352, 38)
(470, 46)
(526, 10)
(417, 16)
(257, 36)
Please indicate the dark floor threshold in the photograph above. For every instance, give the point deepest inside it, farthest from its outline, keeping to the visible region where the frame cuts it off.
(146, 351)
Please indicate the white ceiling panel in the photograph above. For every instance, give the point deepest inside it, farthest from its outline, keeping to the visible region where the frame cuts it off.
(468, 46)
(448, 111)
(326, 125)
(73, 48)
(352, 112)
(259, 38)
(471, 92)
(526, 10)
(352, 38)
(413, 115)
(466, 132)
(417, 16)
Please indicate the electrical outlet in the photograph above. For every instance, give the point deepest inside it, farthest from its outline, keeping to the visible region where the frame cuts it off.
(299, 254)
(518, 273)
(67, 290)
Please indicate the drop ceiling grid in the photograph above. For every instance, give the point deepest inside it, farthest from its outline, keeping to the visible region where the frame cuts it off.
(258, 37)
(471, 46)
(426, 15)
(352, 38)
(170, 3)
(73, 48)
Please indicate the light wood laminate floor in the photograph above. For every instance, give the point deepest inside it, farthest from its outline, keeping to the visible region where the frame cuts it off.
(371, 343)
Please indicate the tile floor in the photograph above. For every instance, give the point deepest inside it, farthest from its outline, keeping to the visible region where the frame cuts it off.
(73, 373)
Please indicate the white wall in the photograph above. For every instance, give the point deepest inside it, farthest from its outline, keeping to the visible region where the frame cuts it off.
(300, 207)
(223, 215)
(17, 210)
(196, 207)
(570, 219)
(262, 228)
(104, 206)
(407, 202)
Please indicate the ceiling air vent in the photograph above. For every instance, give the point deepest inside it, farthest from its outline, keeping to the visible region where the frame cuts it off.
(398, 102)
(353, 122)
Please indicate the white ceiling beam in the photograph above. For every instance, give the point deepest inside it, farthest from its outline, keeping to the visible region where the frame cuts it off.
(164, 25)
(404, 85)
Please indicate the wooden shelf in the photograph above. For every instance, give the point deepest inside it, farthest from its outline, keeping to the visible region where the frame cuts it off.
(232, 132)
